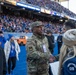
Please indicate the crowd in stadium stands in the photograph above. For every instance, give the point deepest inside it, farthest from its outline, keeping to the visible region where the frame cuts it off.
(20, 0)
(20, 24)
(51, 5)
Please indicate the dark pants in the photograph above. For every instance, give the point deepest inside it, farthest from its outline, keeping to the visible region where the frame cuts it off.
(50, 71)
(3, 68)
(11, 64)
(59, 47)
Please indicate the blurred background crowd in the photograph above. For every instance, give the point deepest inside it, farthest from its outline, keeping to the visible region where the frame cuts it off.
(11, 23)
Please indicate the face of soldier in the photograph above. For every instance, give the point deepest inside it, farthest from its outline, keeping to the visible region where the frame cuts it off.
(39, 30)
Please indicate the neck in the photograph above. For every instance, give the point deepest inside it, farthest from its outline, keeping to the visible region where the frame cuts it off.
(39, 36)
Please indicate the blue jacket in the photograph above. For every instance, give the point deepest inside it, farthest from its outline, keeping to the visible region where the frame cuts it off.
(2, 40)
(69, 67)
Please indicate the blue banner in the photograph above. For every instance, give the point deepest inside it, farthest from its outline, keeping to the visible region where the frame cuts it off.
(28, 6)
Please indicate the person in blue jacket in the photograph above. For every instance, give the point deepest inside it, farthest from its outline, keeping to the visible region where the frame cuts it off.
(2, 39)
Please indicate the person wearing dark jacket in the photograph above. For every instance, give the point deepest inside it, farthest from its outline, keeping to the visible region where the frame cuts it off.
(59, 42)
(50, 38)
(3, 69)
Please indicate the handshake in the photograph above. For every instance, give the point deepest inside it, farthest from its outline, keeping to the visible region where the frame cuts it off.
(52, 59)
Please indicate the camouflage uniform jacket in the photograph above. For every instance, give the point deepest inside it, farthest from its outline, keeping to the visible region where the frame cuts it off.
(38, 54)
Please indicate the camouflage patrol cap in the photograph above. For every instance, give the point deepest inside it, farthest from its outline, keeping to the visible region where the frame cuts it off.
(36, 23)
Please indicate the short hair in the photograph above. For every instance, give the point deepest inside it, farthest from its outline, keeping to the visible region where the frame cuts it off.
(70, 24)
(49, 31)
(1, 32)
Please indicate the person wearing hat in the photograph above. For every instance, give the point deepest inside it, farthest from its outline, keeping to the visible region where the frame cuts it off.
(67, 60)
(11, 50)
(38, 53)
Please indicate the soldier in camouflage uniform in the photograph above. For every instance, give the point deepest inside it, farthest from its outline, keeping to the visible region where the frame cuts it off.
(38, 53)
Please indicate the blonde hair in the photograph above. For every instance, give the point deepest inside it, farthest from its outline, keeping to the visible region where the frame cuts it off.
(63, 53)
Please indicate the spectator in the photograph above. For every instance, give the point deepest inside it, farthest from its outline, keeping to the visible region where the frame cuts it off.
(67, 26)
(52, 5)
(50, 38)
(59, 42)
(67, 60)
(12, 50)
(3, 69)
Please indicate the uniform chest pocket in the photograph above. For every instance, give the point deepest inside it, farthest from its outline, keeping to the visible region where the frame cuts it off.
(41, 48)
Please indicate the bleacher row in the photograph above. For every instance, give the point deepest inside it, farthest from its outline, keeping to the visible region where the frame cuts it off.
(49, 4)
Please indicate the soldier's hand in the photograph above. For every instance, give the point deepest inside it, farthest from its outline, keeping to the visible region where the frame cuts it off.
(51, 59)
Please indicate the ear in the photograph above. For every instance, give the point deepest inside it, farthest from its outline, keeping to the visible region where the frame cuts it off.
(33, 29)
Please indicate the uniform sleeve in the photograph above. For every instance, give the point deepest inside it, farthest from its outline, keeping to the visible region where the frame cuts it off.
(32, 52)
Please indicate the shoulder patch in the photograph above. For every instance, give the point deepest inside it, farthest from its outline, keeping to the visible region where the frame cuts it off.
(30, 48)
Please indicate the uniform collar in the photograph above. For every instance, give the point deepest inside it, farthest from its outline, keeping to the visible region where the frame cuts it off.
(39, 37)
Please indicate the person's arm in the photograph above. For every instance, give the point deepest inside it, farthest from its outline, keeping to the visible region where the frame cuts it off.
(6, 50)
